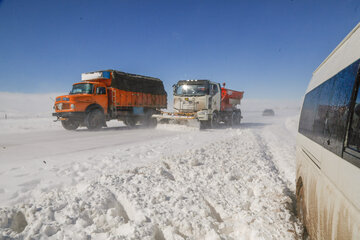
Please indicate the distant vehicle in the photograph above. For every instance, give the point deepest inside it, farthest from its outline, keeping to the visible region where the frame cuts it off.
(268, 112)
(111, 94)
(328, 146)
(206, 102)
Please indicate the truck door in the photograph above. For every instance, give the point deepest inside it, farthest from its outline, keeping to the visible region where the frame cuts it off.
(101, 97)
(215, 97)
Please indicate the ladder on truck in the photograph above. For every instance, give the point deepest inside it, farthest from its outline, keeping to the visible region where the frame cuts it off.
(113, 105)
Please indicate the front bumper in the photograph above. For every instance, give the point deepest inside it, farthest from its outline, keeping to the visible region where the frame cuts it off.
(201, 116)
(70, 115)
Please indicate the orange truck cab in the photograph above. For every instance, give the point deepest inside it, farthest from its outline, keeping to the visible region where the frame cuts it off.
(110, 94)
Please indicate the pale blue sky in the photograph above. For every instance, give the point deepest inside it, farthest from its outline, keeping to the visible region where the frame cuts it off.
(269, 49)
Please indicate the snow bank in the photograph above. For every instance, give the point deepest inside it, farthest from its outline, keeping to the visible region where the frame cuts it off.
(175, 182)
(21, 105)
(228, 189)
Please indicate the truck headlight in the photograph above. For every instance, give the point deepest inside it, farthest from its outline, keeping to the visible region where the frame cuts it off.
(72, 106)
(59, 106)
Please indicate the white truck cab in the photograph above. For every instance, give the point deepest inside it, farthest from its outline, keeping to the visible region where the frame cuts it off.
(202, 97)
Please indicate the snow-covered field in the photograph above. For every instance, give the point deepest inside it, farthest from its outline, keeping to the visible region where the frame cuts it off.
(173, 182)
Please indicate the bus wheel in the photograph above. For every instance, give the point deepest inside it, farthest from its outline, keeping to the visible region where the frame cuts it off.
(94, 120)
(301, 209)
(70, 124)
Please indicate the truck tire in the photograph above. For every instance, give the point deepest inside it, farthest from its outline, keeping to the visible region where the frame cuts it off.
(233, 120)
(130, 122)
(204, 124)
(238, 118)
(150, 122)
(70, 124)
(95, 119)
(214, 122)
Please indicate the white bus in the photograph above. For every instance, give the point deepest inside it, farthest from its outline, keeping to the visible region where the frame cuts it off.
(328, 146)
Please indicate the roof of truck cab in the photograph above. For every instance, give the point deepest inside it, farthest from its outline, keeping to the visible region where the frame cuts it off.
(193, 81)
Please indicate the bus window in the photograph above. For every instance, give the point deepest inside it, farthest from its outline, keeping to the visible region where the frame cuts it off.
(325, 110)
(354, 130)
(337, 114)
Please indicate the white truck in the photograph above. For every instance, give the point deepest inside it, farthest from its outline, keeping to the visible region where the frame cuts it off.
(205, 101)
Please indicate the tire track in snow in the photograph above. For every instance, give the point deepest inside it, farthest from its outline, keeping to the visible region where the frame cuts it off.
(229, 189)
(286, 184)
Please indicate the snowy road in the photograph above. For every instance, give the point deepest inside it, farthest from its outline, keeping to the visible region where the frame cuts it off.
(41, 159)
(60, 143)
(173, 182)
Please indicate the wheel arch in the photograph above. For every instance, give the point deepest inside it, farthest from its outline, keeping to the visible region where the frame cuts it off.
(299, 185)
(94, 106)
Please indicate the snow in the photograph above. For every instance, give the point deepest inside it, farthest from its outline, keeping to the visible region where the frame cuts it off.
(172, 182)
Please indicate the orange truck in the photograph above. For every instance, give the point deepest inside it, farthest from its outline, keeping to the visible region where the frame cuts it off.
(105, 95)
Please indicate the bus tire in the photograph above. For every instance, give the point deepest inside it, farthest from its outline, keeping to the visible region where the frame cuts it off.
(301, 208)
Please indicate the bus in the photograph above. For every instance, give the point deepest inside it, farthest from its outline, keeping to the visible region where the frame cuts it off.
(328, 146)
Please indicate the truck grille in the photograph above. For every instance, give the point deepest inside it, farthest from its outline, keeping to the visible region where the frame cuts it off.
(64, 106)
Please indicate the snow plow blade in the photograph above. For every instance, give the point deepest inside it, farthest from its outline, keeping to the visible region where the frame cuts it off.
(174, 118)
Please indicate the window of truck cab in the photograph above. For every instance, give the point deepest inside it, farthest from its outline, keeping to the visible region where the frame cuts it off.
(191, 90)
(100, 90)
(214, 89)
(82, 88)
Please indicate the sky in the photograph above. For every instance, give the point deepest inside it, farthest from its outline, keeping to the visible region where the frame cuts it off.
(268, 49)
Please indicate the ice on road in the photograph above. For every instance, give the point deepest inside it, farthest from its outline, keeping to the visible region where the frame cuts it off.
(173, 182)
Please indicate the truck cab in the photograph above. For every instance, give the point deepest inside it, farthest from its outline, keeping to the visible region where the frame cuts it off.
(82, 99)
(81, 96)
(202, 97)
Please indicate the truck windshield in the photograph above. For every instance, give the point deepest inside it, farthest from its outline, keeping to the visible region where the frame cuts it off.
(84, 88)
(197, 90)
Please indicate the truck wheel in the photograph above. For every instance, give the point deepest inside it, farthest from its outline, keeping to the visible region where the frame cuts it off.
(70, 124)
(151, 122)
(233, 120)
(204, 124)
(238, 118)
(214, 120)
(94, 120)
(130, 122)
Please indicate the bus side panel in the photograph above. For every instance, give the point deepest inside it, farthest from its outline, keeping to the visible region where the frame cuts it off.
(329, 215)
